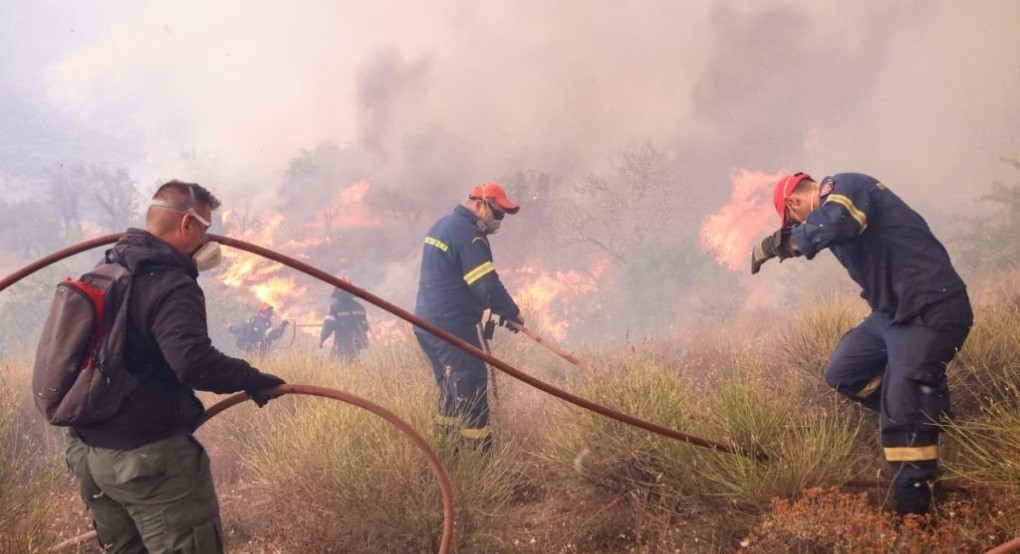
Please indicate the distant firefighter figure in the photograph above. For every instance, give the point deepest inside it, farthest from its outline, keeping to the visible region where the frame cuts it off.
(254, 336)
(348, 325)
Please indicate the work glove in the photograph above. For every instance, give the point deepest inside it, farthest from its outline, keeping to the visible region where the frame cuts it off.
(770, 247)
(261, 395)
(506, 322)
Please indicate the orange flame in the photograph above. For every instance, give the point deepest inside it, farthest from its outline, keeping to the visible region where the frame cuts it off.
(730, 233)
(348, 209)
(274, 284)
(548, 299)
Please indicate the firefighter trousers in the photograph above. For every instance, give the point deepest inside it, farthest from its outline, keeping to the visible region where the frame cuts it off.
(157, 498)
(463, 386)
(899, 370)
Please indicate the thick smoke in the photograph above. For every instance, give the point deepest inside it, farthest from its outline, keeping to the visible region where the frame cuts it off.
(283, 109)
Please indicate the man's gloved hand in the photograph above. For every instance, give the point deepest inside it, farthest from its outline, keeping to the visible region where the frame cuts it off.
(284, 324)
(261, 395)
(770, 247)
(509, 321)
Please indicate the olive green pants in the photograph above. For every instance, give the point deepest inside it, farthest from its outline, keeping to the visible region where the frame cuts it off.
(158, 498)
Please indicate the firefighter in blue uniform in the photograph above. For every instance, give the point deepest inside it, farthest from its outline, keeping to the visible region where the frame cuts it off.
(347, 323)
(256, 336)
(894, 362)
(458, 282)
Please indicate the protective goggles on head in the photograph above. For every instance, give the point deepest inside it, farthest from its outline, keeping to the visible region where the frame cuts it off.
(187, 207)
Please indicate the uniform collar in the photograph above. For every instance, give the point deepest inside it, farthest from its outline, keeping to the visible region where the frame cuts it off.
(464, 212)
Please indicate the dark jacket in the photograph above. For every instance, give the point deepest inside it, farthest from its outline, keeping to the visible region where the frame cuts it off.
(458, 279)
(886, 246)
(347, 322)
(168, 346)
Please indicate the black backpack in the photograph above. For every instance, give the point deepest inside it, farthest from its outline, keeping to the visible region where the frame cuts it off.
(80, 377)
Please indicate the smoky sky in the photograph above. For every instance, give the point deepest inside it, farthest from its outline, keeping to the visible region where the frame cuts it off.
(919, 90)
(281, 105)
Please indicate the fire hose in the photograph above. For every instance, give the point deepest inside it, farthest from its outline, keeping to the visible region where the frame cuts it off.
(420, 443)
(411, 318)
(1010, 547)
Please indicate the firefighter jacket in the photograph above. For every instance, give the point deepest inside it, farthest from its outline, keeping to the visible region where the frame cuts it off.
(348, 321)
(255, 335)
(886, 246)
(458, 279)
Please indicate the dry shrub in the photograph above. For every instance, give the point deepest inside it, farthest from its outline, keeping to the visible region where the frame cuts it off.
(987, 370)
(800, 444)
(26, 485)
(619, 458)
(337, 478)
(827, 521)
(989, 448)
(807, 341)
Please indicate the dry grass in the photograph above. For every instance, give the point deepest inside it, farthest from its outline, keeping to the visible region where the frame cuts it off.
(832, 521)
(27, 482)
(345, 480)
(310, 475)
(808, 339)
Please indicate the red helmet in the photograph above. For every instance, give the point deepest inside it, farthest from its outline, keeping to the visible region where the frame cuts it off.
(263, 308)
(784, 188)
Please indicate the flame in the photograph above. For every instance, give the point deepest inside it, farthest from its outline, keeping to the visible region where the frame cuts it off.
(548, 298)
(730, 233)
(269, 282)
(347, 210)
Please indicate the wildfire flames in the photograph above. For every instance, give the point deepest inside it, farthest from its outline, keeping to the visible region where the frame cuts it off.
(730, 233)
(548, 298)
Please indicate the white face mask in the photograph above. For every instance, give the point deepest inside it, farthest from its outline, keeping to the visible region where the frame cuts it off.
(489, 225)
(208, 256)
(492, 226)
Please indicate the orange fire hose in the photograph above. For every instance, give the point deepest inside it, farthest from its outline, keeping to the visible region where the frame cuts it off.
(552, 347)
(417, 321)
(445, 488)
(1006, 548)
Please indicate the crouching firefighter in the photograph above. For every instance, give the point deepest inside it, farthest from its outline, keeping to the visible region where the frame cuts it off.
(894, 362)
(458, 283)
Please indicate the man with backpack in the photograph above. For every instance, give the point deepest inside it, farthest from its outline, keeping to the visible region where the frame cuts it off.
(143, 475)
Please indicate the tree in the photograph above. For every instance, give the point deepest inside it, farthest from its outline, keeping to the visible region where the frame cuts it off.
(115, 195)
(991, 241)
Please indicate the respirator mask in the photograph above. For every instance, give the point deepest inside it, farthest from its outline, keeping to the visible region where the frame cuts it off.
(491, 226)
(208, 254)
